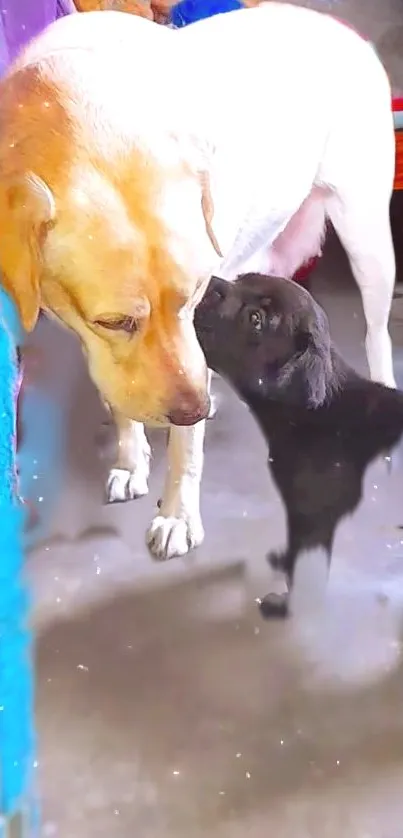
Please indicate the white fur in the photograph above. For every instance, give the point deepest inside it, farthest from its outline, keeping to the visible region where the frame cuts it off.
(129, 478)
(178, 526)
(288, 111)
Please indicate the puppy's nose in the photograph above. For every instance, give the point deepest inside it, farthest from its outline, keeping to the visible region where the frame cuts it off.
(189, 411)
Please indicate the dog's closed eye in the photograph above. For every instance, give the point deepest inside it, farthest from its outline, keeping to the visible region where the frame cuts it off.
(123, 323)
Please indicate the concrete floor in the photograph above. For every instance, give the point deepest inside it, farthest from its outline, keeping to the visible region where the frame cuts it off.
(166, 707)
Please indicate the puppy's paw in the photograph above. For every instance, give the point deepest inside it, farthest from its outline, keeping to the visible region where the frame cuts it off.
(275, 606)
(124, 485)
(169, 537)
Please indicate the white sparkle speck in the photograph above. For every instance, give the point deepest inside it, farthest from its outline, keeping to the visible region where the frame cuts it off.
(40, 499)
(281, 741)
(82, 667)
(175, 773)
(247, 775)
(238, 756)
(58, 599)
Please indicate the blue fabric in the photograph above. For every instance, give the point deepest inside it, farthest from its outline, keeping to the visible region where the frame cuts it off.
(17, 732)
(189, 11)
(41, 457)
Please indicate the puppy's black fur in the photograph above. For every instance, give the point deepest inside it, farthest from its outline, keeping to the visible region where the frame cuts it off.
(323, 422)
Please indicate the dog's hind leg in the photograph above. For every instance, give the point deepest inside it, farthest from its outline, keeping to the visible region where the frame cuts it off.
(128, 479)
(358, 168)
(366, 236)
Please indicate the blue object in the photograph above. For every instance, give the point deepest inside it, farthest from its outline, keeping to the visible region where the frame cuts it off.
(189, 11)
(17, 729)
(41, 458)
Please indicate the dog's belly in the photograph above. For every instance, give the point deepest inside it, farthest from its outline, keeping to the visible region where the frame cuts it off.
(280, 242)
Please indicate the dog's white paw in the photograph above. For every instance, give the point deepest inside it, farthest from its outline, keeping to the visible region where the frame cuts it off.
(169, 537)
(124, 485)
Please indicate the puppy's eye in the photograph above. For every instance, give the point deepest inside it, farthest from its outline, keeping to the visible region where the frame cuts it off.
(257, 320)
(125, 323)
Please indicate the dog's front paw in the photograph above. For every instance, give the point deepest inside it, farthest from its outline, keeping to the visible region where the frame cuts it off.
(169, 537)
(124, 485)
(274, 606)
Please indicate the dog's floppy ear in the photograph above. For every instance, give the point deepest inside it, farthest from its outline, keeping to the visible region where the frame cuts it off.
(208, 210)
(27, 207)
(312, 359)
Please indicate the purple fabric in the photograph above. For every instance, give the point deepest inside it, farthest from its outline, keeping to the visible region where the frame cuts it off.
(20, 20)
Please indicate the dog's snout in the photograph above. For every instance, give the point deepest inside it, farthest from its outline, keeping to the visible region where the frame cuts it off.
(189, 411)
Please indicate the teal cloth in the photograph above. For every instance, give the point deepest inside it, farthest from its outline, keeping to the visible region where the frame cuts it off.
(17, 729)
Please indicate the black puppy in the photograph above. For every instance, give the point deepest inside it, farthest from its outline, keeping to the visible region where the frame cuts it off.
(323, 422)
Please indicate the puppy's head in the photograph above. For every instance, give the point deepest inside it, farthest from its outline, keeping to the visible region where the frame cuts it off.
(268, 338)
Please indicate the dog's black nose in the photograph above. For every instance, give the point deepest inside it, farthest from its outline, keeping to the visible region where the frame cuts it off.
(189, 411)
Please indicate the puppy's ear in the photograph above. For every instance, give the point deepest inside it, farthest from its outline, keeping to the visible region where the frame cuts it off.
(315, 358)
(27, 208)
(312, 361)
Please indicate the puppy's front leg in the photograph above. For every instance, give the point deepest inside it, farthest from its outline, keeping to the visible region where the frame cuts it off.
(178, 526)
(128, 479)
